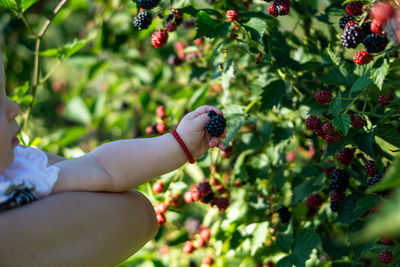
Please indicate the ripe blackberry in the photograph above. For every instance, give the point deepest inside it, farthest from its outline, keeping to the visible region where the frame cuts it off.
(323, 96)
(351, 22)
(148, 4)
(159, 38)
(337, 196)
(344, 20)
(170, 17)
(327, 128)
(313, 123)
(216, 124)
(208, 198)
(375, 43)
(320, 133)
(284, 214)
(345, 156)
(204, 188)
(332, 138)
(384, 101)
(335, 206)
(232, 15)
(143, 20)
(314, 201)
(387, 241)
(386, 257)
(282, 7)
(358, 122)
(362, 57)
(354, 8)
(340, 180)
(160, 219)
(366, 28)
(372, 181)
(170, 26)
(271, 10)
(369, 168)
(222, 203)
(352, 36)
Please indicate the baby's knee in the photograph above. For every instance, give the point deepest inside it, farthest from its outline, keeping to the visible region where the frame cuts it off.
(142, 206)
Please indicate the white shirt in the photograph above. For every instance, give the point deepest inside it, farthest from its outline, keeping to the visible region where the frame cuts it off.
(28, 178)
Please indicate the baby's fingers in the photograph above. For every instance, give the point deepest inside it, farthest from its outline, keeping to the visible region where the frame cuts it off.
(216, 142)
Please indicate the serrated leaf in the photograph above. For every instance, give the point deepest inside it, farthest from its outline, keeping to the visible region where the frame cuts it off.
(67, 50)
(335, 106)
(379, 74)
(259, 236)
(284, 237)
(235, 118)
(76, 110)
(361, 83)
(256, 27)
(279, 48)
(209, 27)
(389, 133)
(305, 241)
(25, 4)
(332, 149)
(365, 143)
(342, 123)
(9, 4)
(272, 94)
(352, 209)
(360, 250)
(337, 60)
(302, 191)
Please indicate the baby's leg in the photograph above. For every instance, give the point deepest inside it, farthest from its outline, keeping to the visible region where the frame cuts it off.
(76, 229)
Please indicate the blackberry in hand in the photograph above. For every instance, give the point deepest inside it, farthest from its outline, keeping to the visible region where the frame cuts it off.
(375, 43)
(148, 4)
(143, 20)
(344, 20)
(340, 180)
(216, 124)
(352, 36)
(284, 214)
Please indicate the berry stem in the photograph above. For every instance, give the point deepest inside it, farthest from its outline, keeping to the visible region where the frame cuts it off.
(250, 105)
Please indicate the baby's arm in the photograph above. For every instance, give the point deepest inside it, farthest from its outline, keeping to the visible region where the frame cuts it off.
(125, 164)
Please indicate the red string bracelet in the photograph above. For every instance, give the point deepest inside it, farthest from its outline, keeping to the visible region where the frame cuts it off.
(183, 146)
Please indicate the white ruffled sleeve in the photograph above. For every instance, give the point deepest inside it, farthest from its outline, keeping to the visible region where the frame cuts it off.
(30, 167)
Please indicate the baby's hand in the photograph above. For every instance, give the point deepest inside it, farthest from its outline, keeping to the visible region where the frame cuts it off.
(192, 129)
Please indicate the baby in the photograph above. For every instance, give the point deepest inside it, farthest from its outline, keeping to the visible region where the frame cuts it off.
(69, 226)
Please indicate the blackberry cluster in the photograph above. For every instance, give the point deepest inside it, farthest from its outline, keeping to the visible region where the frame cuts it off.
(344, 20)
(143, 20)
(375, 43)
(366, 28)
(204, 188)
(148, 4)
(216, 124)
(352, 36)
(374, 179)
(340, 180)
(345, 156)
(369, 168)
(314, 201)
(282, 7)
(323, 97)
(313, 122)
(284, 214)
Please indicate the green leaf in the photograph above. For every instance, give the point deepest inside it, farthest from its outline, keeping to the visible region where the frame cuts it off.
(360, 250)
(365, 143)
(256, 27)
(389, 133)
(337, 60)
(235, 118)
(284, 237)
(9, 4)
(302, 191)
(272, 94)
(336, 106)
(227, 75)
(342, 123)
(336, 77)
(211, 28)
(332, 149)
(279, 48)
(352, 209)
(76, 110)
(25, 4)
(361, 83)
(391, 178)
(379, 74)
(259, 236)
(67, 50)
(305, 241)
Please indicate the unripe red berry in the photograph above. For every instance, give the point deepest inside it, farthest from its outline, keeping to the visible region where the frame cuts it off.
(160, 111)
(354, 8)
(215, 181)
(161, 208)
(207, 261)
(351, 22)
(269, 264)
(188, 197)
(221, 189)
(327, 128)
(227, 153)
(149, 130)
(232, 15)
(188, 247)
(160, 126)
(314, 201)
(386, 257)
(328, 171)
(323, 97)
(199, 41)
(196, 195)
(171, 26)
(160, 219)
(362, 57)
(159, 38)
(291, 156)
(158, 187)
(175, 199)
(199, 242)
(313, 122)
(271, 10)
(205, 234)
(345, 156)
